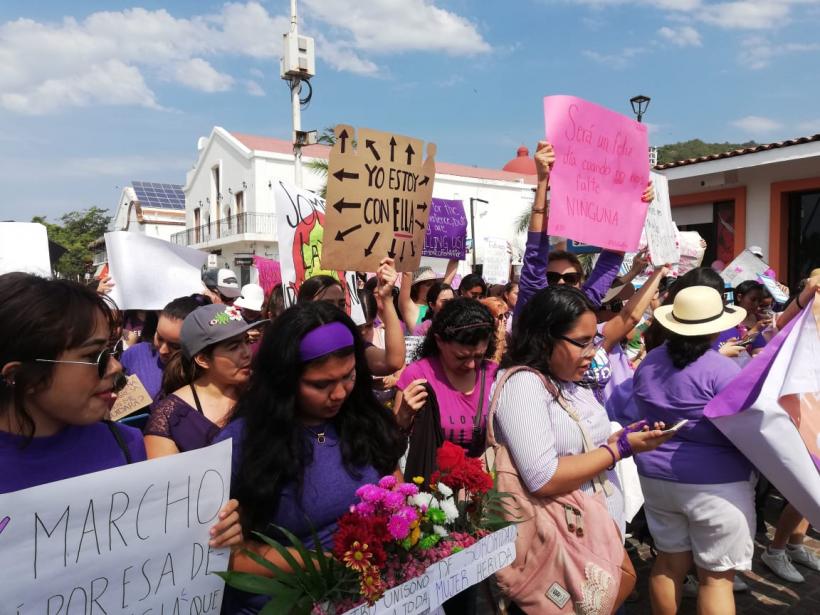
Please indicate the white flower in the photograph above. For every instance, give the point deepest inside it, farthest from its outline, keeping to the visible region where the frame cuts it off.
(422, 499)
(444, 490)
(450, 509)
(439, 530)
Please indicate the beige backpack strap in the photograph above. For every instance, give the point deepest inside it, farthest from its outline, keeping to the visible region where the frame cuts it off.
(499, 384)
(601, 481)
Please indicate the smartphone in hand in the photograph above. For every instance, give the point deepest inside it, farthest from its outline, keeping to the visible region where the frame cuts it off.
(676, 426)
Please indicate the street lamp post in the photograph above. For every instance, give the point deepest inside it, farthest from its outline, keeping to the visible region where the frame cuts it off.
(472, 223)
(639, 105)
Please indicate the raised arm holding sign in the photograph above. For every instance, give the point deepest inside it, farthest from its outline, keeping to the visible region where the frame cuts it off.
(379, 198)
(601, 170)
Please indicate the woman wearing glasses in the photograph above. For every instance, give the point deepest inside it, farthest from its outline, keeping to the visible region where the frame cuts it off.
(57, 383)
(502, 314)
(556, 335)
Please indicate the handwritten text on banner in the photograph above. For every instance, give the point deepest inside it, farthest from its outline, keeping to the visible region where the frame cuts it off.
(447, 230)
(600, 173)
(132, 539)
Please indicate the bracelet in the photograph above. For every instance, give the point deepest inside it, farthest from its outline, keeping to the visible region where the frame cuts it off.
(796, 299)
(539, 211)
(609, 450)
(624, 447)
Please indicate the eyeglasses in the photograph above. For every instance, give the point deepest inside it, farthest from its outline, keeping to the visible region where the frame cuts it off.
(571, 279)
(587, 348)
(102, 362)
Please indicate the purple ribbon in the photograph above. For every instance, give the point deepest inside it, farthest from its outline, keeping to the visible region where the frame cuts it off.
(323, 340)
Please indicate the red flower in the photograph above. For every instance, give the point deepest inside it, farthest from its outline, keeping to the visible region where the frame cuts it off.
(370, 530)
(449, 456)
(458, 471)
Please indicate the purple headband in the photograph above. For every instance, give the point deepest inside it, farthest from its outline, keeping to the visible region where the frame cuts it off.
(323, 340)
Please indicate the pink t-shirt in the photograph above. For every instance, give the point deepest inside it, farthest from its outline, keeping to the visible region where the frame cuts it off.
(457, 409)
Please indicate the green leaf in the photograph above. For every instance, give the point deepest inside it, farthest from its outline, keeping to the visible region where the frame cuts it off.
(283, 576)
(254, 583)
(308, 556)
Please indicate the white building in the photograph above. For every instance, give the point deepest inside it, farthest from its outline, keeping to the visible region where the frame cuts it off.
(230, 210)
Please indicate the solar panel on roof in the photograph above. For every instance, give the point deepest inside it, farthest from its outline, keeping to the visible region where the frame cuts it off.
(164, 196)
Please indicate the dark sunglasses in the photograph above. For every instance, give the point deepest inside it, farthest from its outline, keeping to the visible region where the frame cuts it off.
(102, 362)
(571, 279)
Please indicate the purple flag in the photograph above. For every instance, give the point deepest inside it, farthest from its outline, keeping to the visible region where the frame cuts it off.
(446, 230)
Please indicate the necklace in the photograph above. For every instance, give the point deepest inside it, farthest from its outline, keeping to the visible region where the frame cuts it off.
(320, 435)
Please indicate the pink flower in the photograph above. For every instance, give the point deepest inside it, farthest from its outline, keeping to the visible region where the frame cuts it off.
(387, 482)
(409, 513)
(365, 509)
(370, 493)
(398, 527)
(393, 500)
(407, 489)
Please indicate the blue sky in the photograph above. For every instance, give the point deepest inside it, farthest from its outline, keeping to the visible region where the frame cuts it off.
(96, 94)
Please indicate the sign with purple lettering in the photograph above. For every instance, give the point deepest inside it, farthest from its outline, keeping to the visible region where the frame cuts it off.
(601, 170)
(446, 230)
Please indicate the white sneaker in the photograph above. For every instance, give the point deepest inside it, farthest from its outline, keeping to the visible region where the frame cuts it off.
(780, 564)
(799, 554)
(691, 585)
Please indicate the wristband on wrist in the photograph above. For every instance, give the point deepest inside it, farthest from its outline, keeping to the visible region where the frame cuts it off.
(612, 454)
(539, 211)
(624, 447)
(796, 300)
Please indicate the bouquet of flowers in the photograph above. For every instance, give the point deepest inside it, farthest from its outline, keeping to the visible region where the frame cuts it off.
(392, 534)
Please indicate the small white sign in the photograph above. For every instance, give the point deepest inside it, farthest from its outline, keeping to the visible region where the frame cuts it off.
(24, 247)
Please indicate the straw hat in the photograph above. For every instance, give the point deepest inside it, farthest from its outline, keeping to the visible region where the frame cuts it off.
(424, 274)
(698, 310)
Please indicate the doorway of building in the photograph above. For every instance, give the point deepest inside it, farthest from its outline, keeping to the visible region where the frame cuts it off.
(804, 235)
(716, 224)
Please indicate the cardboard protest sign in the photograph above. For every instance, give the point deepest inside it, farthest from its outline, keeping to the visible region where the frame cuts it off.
(661, 232)
(692, 248)
(446, 230)
(149, 273)
(771, 412)
(300, 223)
(24, 247)
(131, 398)
(601, 170)
(496, 268)
(132, 539)
(379, 193)
(746, 266)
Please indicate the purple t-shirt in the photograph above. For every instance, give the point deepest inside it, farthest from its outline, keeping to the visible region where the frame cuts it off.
(328, 491)
(699, 453)
(143, 360)
(739, 333)
(457, 409)
(74, 451)
(534, 272)
(175, 419)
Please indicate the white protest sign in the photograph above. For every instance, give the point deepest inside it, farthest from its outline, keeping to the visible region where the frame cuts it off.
(24, 247)
(132, 539)
(496, 259)
(149, 273)
(412, 343)
(746, 266)
(300, 224)
(659, 228)
(448, 577)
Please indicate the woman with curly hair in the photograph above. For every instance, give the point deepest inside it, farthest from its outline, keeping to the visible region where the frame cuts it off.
(307, 433)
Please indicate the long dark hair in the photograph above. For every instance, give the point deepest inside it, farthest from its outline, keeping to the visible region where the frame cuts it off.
(684, 349)
(462, 321)
(656, 335)
(436, 289)
(275, 451)
(551, 313)
(315, 286)
(40, 319)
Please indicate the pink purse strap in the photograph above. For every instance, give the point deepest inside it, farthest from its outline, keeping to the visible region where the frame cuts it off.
(600, 482)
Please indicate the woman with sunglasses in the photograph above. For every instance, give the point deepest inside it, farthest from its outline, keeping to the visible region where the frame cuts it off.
(502, 314)
(556, 335)
(57, 384)
(202, 382)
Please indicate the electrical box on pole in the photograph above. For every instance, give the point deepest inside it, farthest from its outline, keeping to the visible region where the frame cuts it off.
(299, 59)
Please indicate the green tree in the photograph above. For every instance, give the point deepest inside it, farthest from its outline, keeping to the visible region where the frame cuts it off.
(75, 231)
(695, 148)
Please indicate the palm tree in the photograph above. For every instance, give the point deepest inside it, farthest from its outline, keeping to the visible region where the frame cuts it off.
(319, 166)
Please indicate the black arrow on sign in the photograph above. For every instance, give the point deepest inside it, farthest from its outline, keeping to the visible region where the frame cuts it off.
(340, 235)
(371, 145)
(424, 181)
(392, 252)
(343, 139)
(413, 249)
(369, 249)
(392, 148)
(410, 151)
(342, 204)
(401, 258)
(421, 226)
(341, 175)
(422, 206)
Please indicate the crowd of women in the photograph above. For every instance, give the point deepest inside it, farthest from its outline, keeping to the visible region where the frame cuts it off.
(317, 406)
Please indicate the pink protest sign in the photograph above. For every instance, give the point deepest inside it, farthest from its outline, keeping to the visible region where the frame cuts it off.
(601, 170)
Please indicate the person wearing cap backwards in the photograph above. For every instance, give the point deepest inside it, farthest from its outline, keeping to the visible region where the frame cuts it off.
(202, 383)
(699, 489)
(307, 433)
(222, 285)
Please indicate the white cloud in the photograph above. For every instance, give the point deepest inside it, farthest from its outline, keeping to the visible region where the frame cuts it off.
(389, 26)
(342, 56)
(198, 74)
(617, 61)
(757, 125)
(253, 88)
(119, 167)
(758, 52)
(684, 36)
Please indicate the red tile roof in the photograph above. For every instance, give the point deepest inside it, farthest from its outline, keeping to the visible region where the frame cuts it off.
(280, 146)
(739, 152)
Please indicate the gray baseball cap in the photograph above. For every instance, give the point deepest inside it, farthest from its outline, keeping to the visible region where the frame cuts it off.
(211, 324)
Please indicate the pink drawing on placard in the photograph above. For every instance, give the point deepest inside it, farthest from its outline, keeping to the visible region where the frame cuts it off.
(601, 170)
(3, 523)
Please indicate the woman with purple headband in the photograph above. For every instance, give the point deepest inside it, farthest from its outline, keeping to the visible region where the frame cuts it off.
(307, 433)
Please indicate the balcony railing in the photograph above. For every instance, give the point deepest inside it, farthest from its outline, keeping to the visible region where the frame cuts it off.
(227, 227)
